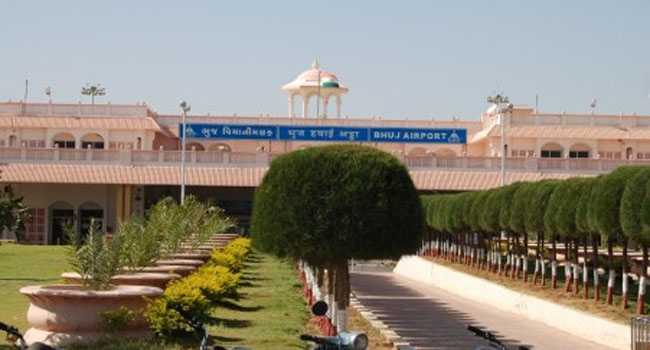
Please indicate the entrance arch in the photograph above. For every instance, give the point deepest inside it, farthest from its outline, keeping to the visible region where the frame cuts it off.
(61, 215)
(89, 212)
(552, 150)
(92, 140)
(579, 150)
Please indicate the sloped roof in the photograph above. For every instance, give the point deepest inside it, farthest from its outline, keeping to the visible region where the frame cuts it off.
(235, 176)
(114, 123)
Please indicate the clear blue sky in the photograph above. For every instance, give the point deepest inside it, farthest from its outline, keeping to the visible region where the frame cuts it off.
(401, 59)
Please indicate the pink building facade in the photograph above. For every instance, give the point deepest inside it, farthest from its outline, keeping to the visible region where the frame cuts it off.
(77, 162)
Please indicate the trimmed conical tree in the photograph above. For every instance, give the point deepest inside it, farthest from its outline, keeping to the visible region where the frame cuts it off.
(631, 212)
(535, 219)
(605, 214)
(329, 204)
(585, 229)
(553, 211)
(505, 204)
(520, 204)
(565, 222)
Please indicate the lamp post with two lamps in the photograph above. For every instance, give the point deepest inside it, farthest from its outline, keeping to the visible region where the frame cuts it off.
(503, 107)
(185, 107)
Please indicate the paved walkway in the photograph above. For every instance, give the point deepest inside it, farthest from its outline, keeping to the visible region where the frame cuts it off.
(431, 318)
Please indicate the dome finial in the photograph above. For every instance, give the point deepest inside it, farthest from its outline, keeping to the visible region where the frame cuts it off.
(315, 64)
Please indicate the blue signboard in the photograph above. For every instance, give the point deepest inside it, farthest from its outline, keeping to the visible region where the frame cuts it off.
(324, 133)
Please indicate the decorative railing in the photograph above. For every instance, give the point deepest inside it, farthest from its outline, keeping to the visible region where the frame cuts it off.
(262, 159)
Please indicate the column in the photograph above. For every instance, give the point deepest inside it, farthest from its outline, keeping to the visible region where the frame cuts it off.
(305, 106)
(326, 102)
(338, 106)
(291, 110)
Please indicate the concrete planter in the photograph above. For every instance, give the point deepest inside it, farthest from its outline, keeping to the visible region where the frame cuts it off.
(181, 262)
(61, 314)
(182, 270)
(151, 279)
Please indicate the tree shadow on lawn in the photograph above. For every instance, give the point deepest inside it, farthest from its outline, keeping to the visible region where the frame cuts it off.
(228, 322)
(236, 307)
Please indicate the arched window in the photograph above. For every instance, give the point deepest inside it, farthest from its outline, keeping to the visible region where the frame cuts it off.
(90, 212)
(197, 146)
(219, 147)
(63, 140)
(445, 153)
(551, 150)
(418, 152)
(92, 140)
(579, 150)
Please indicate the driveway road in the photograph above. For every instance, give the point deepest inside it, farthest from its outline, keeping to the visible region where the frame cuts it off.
(431, 318)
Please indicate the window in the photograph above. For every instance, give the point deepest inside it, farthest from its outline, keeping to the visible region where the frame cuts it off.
(64, 144)
(578, 154)
(92, 144)
(551, 154)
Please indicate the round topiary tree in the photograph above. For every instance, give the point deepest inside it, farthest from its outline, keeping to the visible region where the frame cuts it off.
(326, 205)
(520, 204)
(505, 203)
(605, 214)
(535, 220)
(585, 228)
(631, 224)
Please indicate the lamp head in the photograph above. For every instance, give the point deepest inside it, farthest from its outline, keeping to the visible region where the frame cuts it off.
(185, 106)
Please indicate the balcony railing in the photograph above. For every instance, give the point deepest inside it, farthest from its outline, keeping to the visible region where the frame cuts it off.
(262, 159)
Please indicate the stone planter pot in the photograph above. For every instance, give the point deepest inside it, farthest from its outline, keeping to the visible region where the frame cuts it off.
(60, 314)
(182, 270)
(181, 262)
(203, 256)
(152, 279)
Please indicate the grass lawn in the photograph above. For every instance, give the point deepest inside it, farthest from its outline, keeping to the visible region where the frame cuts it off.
(22, 265)
(271, 313)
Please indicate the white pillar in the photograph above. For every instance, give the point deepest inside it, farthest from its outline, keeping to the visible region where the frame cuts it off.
(291, 110)
(305, 106)
(326, 102)
(338, 106)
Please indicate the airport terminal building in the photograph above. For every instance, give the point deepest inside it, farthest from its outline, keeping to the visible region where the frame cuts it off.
(76, 162)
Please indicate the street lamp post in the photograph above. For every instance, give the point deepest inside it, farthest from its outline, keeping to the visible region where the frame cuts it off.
(503, 106)
(185, 107)
(92, 91)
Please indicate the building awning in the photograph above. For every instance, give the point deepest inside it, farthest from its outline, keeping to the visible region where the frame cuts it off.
(449, 180)
(568, 132)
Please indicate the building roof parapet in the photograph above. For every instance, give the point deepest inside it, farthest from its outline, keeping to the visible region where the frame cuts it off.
(74, 110)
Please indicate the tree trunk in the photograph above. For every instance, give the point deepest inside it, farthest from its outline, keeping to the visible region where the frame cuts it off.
(342, 295)
(612, 272)
(525, 258)
(624, 277)
(553, 263)
(640, 307)
(516, 255)
(542, 259)
(576, 267)
(594, 264)
(567, 264)
(585, 269)
(537, 266)
(331, 301)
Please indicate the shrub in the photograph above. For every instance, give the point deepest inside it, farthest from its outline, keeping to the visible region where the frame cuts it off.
(116, 320)
(239, 248)
(97, 259)
(215, 282)
(181, 303)
(141, 245)
(219, 258)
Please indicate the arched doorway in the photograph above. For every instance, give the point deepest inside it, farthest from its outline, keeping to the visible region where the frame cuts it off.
(63, 140)
(445, 153)
(90, 212)
(61, 216)
(13, 141)
(92, 140)
(552, 150)
(579, 150)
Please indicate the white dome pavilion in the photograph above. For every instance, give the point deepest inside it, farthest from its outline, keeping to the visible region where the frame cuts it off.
(315, 82)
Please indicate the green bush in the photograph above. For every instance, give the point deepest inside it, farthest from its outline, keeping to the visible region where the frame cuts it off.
(181, 302)
(116, 320)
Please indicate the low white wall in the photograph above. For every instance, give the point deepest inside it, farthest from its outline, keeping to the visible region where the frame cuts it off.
(579, 323)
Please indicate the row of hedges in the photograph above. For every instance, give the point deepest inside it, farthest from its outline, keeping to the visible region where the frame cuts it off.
(188, 302)
(610, 210)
